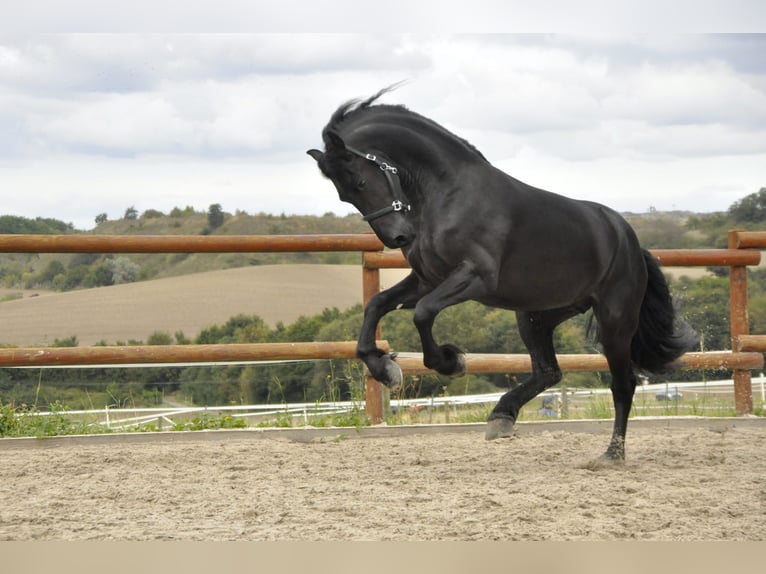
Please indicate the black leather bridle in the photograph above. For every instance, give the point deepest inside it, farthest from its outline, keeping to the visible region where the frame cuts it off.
(392, 177)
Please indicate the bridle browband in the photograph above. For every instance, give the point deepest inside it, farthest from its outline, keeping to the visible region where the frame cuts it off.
(392, 177)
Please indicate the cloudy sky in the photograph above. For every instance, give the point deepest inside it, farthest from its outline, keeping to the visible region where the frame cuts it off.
(98, 122)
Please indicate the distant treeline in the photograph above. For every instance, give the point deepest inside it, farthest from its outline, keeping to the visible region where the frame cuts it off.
(39, 225)
(64, 272)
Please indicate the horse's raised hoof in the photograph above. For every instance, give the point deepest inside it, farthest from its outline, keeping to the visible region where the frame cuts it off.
(394, 377)
(460, 364)
(453, 361)
(385, 370)
(500, 427)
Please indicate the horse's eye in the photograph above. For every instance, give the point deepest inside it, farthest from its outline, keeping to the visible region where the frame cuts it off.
(361, 184)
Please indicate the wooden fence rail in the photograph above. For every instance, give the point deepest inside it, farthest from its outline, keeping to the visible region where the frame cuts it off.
(667, 257)
(742, 252)
(412, 363)
(153, 354)
(187, 243)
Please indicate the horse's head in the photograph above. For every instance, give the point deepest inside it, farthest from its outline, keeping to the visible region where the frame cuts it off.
(371, 184)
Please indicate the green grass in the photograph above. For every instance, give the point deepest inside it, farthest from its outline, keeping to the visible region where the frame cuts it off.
(356, 417)
(209, 422)
(26, 422)
(11, 297)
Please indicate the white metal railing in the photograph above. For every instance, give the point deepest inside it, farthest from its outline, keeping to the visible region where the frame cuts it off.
(126, 418)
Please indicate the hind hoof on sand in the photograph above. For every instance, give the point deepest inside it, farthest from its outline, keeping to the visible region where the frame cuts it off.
(605, 461)
(610, 458)
(499, 428)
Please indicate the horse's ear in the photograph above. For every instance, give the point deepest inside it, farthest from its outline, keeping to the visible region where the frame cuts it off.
(333, 141)
(315, 153)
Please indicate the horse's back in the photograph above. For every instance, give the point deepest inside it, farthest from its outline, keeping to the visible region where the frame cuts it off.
(557, 250)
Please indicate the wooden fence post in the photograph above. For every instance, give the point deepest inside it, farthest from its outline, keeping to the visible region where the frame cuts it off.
(743, 391)
(374, 392)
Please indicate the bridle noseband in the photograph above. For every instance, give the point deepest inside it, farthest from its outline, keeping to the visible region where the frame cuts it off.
(392, 177)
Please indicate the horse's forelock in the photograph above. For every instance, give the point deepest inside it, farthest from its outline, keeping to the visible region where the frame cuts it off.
(343, 111)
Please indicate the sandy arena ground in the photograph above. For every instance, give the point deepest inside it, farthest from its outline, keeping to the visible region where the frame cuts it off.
(691, 483)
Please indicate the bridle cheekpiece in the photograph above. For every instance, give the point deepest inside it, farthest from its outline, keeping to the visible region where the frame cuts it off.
(392, 177)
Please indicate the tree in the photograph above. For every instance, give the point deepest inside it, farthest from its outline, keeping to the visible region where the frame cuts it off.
(18, 224)
(215, 216)
(185, 212)
(101, 218)
(98, 275)
(750, 209)
(705, 305)
(159, 338)
(123, 270)
(70, 341)
(131, 213)
(54, 268)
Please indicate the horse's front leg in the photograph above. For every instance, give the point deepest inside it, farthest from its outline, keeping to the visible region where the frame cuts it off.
(463, 285)
(403, 295)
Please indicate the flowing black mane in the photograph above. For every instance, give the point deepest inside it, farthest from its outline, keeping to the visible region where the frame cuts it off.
(353, 107)
(356, 110)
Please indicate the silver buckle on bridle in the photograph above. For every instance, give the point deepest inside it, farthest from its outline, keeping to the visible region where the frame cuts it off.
(393, 184)
(385, 167)
(381, 164)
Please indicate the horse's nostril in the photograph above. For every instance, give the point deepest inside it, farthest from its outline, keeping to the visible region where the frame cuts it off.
(401, 240)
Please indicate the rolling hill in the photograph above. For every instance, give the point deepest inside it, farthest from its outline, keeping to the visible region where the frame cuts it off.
(187, 303)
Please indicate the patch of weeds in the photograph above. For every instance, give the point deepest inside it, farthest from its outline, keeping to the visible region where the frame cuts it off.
(147, 427)
(11, 297)
(599, 407)
(356, 418)
(210, 422)
(474, 414)
(281, 420)
(9, 423)
(25, 422)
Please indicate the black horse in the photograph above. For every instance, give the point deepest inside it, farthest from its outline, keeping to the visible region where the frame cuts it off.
(471, 232)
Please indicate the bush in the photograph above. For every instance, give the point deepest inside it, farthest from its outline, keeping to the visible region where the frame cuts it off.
(9, 425)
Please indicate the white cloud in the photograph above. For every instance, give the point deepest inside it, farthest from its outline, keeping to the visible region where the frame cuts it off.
(112, 120)
(121, 124)
(635, 184)
(698, 93)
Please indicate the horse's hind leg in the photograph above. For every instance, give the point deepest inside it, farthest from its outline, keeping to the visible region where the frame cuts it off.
(623, 387)
(536, 330)
(616, 334)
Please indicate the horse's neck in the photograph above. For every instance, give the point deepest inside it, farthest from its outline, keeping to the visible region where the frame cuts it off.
(424, 151)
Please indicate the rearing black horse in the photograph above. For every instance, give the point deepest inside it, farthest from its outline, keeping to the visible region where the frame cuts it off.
(471, 232)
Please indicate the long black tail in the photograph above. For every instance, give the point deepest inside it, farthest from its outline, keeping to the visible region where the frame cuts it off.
(661, 337)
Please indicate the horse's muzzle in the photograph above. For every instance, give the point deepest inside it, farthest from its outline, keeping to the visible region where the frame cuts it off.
(394, 232)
